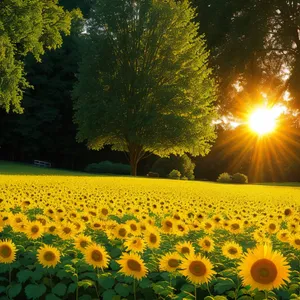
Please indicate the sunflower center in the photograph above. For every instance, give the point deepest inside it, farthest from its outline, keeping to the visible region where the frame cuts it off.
(5, 251)
(97, 255)
(122, 232)
(297, 241)
(235, 226)
(66, 230)
(185, 250)
(173, 263)
(287, 212)
(49, 256)
(208, 225)
(264, 271)
(18, 220)
(35, 229)
(52, 228)
(97, 225)
(207, 243)
(133, 227)
(153, 238)
(104, 211)
(197, 268)
(272, 226)
(232, 250)
(169, 224)
(134, 265)
(180, 228)
(83, 244)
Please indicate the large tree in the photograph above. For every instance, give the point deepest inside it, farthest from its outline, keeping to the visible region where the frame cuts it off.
(27, 27)
(144, 84)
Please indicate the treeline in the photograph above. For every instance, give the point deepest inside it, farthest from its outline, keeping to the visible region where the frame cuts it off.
(252, 44)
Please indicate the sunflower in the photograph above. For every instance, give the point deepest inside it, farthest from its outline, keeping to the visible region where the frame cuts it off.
(272, 227)
(7, 251)
(51, 228)
(185, 248)
(207, 244)
(135, 244)
(264, 269)
(208, 226)
(283, 235)
(67, 230)
(152, 239)
(81, 242)
(235, 226)
(133, 227)
(132, 265)
(197, 268)
(170, 262)
(167, 225)
(232, 250)
(121, 231)
(181, 229)
(48, 256)
(96, 256)
(295, 241)
(34, 230)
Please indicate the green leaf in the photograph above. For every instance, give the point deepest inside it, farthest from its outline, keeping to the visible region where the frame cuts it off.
(223, 285)
(145, 283)
(114, 265)
(85, 297)
(115, 252)
(162, 288)
(52, 297)
(72, 288)
(246, 297)
(188, 287)
(220, 298)
(24, 275)
(122, 289)
(106, 281)
(14, 290)
(35, 291)
(86, 283)
(38, 273)
(60, 289)
(2, 289)
(108, 295)
(62, 274)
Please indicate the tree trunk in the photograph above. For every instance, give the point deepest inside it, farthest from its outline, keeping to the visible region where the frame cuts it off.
(135, 152)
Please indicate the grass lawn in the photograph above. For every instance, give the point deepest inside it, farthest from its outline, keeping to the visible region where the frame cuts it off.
(12, 168)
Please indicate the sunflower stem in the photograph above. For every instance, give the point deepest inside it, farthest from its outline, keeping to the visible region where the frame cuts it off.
(134, 289)
(9, 274)
(195, 292)
(266, 294)
(208, 289)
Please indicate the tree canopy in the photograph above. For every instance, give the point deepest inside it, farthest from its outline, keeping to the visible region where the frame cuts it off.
(144, 85)
(27, 27)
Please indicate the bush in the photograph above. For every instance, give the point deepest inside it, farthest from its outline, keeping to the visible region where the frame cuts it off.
(107, 167)
(163, 166)
(175, 174)
(224, 178)
(239, 178)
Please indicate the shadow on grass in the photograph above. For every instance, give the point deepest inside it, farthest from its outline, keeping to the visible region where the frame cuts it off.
(12, 168)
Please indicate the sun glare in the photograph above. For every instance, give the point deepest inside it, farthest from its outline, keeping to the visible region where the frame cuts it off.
(263, 120)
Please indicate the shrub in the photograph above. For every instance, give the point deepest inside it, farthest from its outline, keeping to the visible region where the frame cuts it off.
(184, 178)
(175, 174)
(107, 167)
(163, 166)
(224, 178)
(239, 178)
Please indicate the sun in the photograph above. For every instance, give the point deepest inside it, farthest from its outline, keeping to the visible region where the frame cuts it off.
(263, 121)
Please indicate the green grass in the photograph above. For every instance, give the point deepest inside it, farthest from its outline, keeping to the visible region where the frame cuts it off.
(12, 168)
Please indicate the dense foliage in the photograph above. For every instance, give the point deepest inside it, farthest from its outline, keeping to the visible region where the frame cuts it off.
(163, 166)
(144, 85)
(55, 228)
(27, 27)
(108, 167)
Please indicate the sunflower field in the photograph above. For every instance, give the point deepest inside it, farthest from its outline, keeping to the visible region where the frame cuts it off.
(68, 237)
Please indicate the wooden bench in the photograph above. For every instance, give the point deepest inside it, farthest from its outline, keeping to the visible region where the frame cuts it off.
(41, 163)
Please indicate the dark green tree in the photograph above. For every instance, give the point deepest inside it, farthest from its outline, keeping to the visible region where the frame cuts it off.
(27, 27)
(144, 84)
